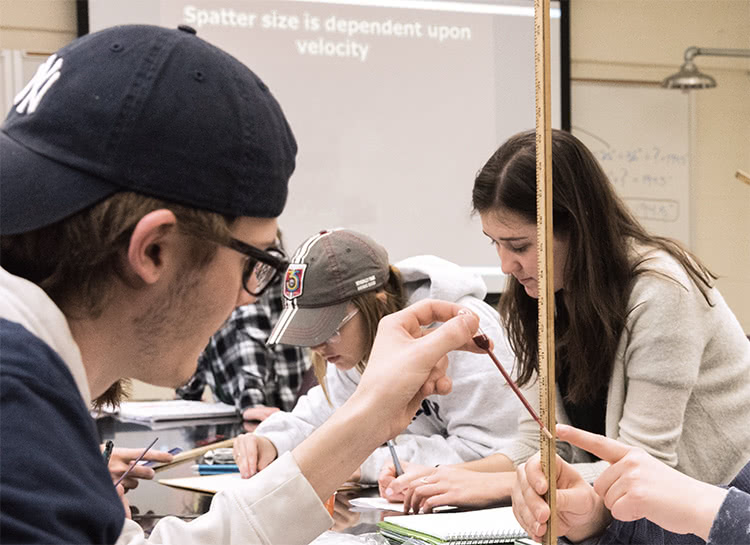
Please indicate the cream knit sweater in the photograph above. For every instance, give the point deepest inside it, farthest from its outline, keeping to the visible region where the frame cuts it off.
(680, 387)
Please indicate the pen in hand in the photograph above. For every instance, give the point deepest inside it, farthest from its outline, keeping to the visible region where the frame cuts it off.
(135, 462)
(396, 463)
(107, 453)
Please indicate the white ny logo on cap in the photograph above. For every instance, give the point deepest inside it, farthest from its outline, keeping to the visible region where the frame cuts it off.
(47, 74)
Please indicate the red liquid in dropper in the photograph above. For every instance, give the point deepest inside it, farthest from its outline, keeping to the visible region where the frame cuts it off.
(483, 342)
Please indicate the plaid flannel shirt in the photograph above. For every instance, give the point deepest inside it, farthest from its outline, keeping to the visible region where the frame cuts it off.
(241, 369)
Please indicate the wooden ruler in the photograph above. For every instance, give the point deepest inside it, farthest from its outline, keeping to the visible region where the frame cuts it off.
(545, 281)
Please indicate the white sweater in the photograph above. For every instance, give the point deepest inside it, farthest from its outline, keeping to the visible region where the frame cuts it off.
(478, 417)
(680, 386)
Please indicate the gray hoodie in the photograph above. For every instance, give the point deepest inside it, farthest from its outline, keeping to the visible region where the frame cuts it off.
(478, 417)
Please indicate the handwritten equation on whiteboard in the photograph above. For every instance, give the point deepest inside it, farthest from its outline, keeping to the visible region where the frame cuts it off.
(640, 137)
(647, 178)
(654, 209)
(648, 167)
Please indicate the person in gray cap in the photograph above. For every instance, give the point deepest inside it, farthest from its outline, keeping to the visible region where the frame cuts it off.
(338, 286)
(142, 174)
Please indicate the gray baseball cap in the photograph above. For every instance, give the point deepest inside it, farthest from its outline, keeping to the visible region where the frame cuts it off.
(325, 272)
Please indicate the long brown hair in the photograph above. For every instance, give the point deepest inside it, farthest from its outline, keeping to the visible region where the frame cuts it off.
(372, 308)
(600, 270)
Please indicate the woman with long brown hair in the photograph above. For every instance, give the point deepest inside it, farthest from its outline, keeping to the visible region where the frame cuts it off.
(647, 350)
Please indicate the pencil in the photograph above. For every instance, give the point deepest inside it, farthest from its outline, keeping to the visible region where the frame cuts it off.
(136, 461)
(396, 463)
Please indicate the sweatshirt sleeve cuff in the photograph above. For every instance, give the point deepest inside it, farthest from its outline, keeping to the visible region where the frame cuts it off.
(732, 523)
(280, 441)
(277, 492)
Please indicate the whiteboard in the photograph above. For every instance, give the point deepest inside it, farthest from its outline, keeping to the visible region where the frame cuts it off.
(640, 135)
(389, 142)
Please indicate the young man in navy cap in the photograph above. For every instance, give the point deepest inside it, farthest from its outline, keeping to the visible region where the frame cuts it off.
(142, 173)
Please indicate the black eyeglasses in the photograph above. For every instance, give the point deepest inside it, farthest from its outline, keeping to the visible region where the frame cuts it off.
(262, 265)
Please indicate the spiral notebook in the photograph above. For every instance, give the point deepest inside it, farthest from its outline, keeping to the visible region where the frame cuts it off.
(485, 526)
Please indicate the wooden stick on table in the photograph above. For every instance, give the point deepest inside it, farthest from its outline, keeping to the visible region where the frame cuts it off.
(194, 453)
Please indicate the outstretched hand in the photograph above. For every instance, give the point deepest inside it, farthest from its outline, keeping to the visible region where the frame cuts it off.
(637, 485)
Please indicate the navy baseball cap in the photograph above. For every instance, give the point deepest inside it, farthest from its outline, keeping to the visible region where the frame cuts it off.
(146, 109)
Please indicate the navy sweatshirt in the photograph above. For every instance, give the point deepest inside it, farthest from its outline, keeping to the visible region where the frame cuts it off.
(54, 484)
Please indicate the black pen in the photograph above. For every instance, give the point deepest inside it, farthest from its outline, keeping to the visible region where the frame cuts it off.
(136, 461)
(107, 450)
(396, 463)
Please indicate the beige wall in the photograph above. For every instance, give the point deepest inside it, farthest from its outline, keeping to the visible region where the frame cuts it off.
(646, 40)
(610, 39)
(37, 25)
